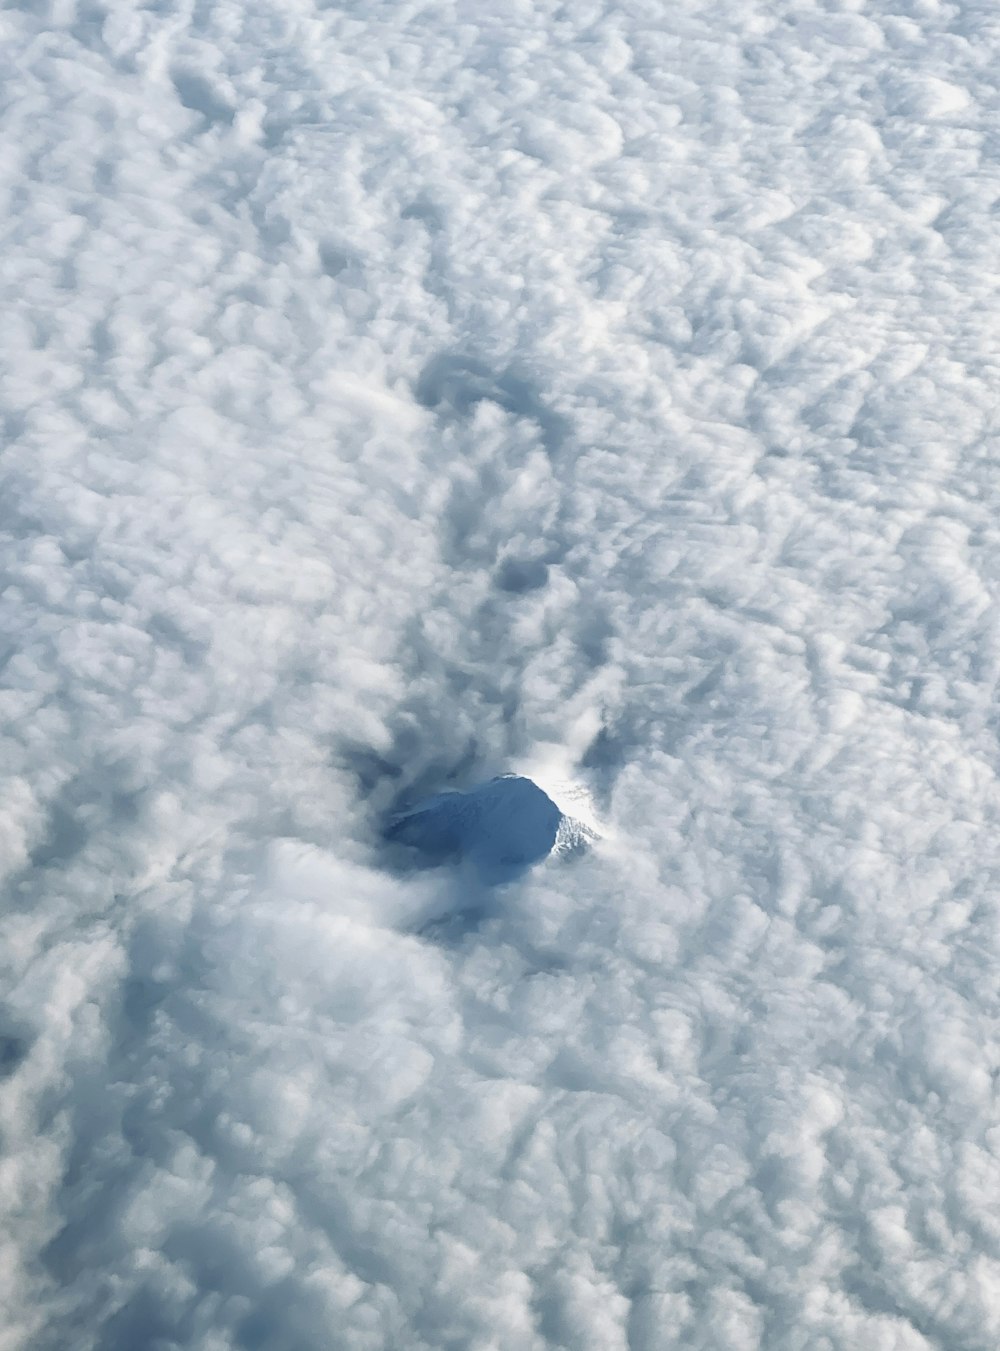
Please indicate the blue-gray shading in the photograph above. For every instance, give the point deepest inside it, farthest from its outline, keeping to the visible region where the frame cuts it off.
(501, 827)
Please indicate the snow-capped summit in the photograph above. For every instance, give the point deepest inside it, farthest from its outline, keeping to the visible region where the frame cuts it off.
(502, 827)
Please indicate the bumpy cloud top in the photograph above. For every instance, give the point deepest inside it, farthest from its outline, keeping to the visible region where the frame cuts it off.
(398, 396)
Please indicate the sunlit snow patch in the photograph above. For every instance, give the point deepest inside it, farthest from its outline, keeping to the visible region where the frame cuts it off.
(579, 826)
(501, 827)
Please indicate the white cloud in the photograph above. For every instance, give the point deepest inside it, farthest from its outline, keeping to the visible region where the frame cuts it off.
(397, 397)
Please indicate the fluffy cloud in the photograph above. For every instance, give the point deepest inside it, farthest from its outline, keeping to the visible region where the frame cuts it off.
(395, 397)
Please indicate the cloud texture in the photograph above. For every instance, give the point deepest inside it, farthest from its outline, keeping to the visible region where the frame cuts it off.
(398, 395)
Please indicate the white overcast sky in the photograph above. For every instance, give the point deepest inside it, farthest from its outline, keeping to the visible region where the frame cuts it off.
(395, 395)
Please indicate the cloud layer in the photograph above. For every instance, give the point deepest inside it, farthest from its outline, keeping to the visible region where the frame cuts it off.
(396, 396)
